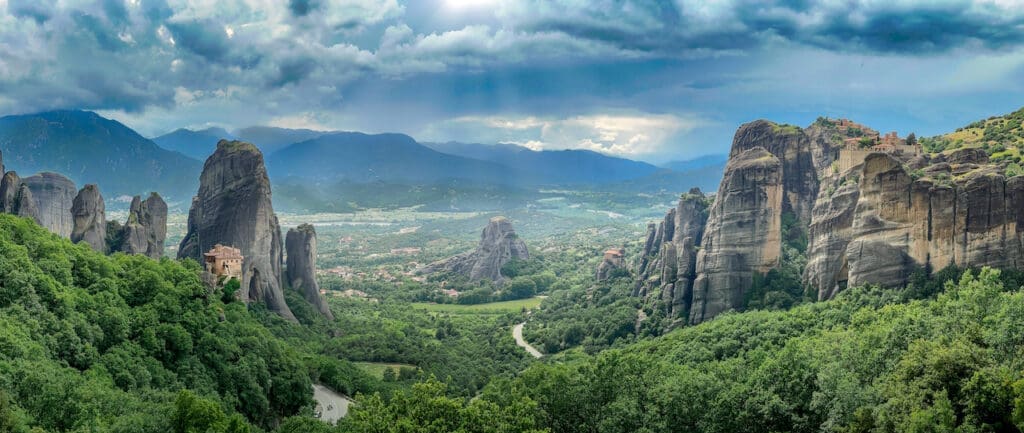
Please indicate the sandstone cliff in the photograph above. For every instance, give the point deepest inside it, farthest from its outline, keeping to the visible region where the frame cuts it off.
(498, 245)
(961, 211)
(862, 208)
(300, 244)
(146, 228)
(233, 208)
(668, 261)
(89, 218)
(54, 194)
(743, 234)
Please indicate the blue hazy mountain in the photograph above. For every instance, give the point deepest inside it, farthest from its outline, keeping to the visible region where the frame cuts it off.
(697, 163)
(194, 144)
(91, 149)
(358, 157)
(553, 166)
(271, 139)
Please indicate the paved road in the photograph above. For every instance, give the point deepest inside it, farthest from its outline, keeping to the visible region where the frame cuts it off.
(330, 405)
(517, 334)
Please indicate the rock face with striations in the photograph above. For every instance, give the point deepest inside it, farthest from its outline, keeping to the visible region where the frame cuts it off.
(771, 178)
(54, 195)
(146, 229)
(233, 208)
(874, 210)
(498, 245)
(936, 220)
(300, 245)
(90, 220)
(668, 262)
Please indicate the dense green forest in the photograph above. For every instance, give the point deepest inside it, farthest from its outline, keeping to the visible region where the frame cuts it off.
(90, 343)
(870, 361)
(129, 344)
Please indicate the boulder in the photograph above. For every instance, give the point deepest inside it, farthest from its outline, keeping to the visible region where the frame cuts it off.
(89, 217)
(234, 208)
(300, 247)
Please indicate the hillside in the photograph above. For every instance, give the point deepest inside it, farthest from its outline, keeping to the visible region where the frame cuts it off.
(1002, 137)
(194, 144)
(126, 343)
(869, 361)
(358, 157)
(91, 149)
(570, 166)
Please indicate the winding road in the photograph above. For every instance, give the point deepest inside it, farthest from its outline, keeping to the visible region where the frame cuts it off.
(330, 405)
(517, 334)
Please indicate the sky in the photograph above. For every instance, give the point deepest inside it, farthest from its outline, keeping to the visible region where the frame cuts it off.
(643, 79)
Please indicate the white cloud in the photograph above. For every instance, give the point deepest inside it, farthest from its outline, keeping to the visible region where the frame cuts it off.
(631, 134)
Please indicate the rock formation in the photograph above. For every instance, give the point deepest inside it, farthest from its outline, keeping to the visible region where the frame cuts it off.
(613, 260)
(668, 261)
(233, 208)
(54, 195)
(743, 235)
(873, 208)
(300, 245)
(498, 245)
(16, 198)
(89, 218)
(961, 211)
(146, 228)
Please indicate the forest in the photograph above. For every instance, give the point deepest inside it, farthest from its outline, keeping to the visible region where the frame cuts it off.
(128, 344)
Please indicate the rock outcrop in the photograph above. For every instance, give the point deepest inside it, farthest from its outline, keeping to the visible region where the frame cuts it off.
(902, 224)
(16, 198)
(89, 218)
(300, 245)
(498, 245)
(743, 235)
(146, 228)
(54, 195)
(233, 208)
(668, 262)
(872, 208)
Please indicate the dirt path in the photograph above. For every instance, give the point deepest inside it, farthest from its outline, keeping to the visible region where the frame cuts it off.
(330, 405)
(517, 334)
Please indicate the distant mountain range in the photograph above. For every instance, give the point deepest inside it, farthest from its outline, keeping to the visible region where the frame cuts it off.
(553, 166)
(199, 144)
(91, 149)
(700, 162)
(194, 144)
(358, 157)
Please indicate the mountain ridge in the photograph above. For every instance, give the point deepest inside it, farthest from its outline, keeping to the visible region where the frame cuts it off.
(89, 148)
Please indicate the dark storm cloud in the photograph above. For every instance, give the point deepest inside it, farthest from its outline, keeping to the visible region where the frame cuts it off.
(293, 71)
(301, 8)
(690, 26)
(37, 10)
(213, 58)
(205, 38)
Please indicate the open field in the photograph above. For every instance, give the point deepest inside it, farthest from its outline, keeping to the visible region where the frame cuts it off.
(489, 308)
(376, 369)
